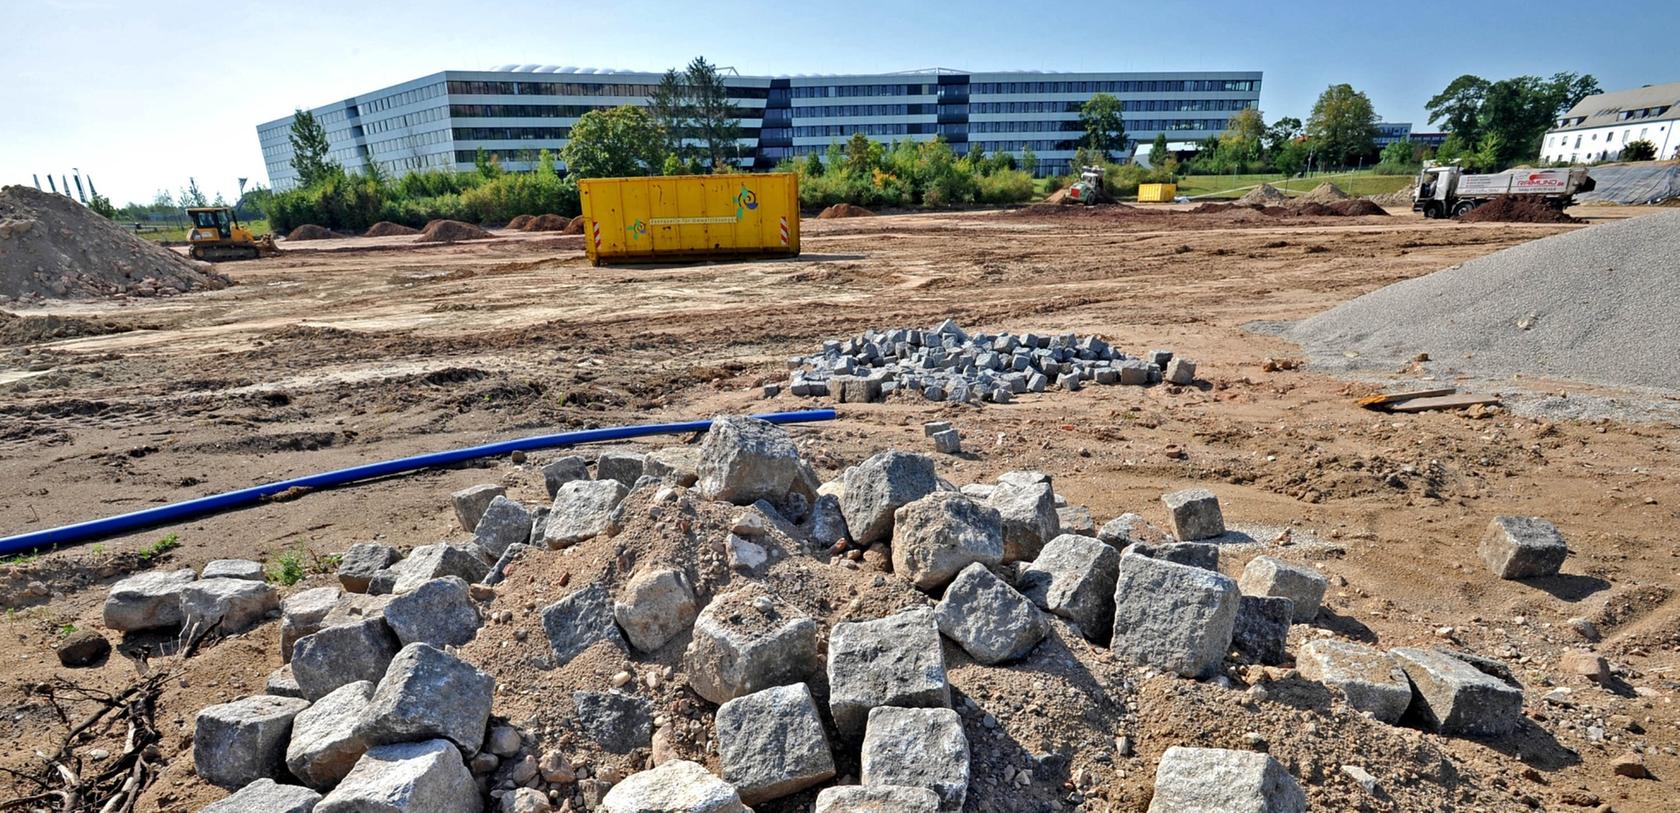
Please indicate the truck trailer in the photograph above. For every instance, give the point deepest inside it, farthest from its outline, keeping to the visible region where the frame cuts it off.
(1448, 191)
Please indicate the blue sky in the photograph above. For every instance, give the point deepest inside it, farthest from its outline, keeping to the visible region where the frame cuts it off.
(142, 96)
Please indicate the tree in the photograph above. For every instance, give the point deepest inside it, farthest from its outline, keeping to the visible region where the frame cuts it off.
(101, 205)
(1247, 124)
(1282, 132)
(717, 130)
(1029, 160)
(1105, 128)
(860, 159)
(1343, 124)
(1158, 154)
(813, 165)
(620, 142)
(673, 112)
(310, 150)
(191, 197)
(1459, 104)
(1641, 150)
(1398, 157)
(1291, 156)
(1242, 142)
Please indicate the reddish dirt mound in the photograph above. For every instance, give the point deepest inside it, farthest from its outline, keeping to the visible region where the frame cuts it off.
(1357, 207)
(310, 231)
(449, 231)
(546, 223)
(574, 227)
(386, 228)
(839, 210)
(519, 223)
(1508, 209)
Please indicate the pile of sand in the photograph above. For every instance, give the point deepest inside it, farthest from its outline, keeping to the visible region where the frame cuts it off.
(1509, 209)
(1264, 195)
(574, 227)
(449, 231)
(1399, 197)
(546, 223)
(52, 247)
(310, 231)
(1594, 305)
(519, 223)
(840, 210)
(1324, 193)
(386, 228)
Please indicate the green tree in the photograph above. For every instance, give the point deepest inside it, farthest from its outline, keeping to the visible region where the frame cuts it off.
(310, 150)
(1291, 156)
(1029, 160)
(1343, 125)
(1105, 128)
(1282, 132)
(860, 155)
(714, 125)
(1158, 154)
(101, 205)
(673, 111)
(1398, 157)
(1641, 150)
(191, 197)
(621, 142)
(1459, 106)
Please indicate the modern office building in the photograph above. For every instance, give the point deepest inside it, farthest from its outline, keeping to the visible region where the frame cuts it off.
(1389, 132)
(1598, 127)
(441, 121)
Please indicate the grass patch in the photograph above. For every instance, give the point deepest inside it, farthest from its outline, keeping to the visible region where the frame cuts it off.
(1357, 184)
(157, 550)
(162, 232)
(297, 564)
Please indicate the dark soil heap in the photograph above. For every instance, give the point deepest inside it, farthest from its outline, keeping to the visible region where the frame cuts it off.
(52, 247)
(449, 231)
(574, 227)
(840, 210)
(546, 223)
(310, 231)
(1509, 209)
(519, 223)
(386, 228)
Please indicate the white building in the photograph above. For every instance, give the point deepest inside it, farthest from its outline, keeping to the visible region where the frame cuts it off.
(441, 121)
(1598, 127)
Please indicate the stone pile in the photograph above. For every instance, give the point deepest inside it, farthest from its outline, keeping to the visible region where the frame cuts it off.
(946, 363)
(375, 707)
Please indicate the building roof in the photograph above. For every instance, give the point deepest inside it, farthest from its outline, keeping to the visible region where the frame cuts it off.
(1643, 104)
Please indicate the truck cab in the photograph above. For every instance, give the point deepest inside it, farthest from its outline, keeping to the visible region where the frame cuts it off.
(1435, 190)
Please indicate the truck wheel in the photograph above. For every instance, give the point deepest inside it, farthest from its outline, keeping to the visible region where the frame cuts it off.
(1432, 211)
(1463, 208)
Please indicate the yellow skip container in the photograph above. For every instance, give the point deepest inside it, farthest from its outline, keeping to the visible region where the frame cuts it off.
(690, 217)
(1157, 192)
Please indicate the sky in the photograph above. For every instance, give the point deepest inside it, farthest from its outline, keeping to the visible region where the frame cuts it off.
(142, 97)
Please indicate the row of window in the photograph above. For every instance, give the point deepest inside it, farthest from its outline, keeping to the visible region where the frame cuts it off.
(840, 91)
(427, 115)
(414, 162)
(1644, 113)
(1039, 145)
(1126, 106)
(409, 142)
(545, 111)
(1065, 125)
(1610, 137)
(571, 88)
(406, 97)
(511, 133)
(520, 154)
(849, 110)
(1122, 86)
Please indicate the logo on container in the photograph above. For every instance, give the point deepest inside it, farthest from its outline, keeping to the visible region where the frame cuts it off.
(636, 230)
(744, 200)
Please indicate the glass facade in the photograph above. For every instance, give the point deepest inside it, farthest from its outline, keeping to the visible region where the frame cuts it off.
(443, 120)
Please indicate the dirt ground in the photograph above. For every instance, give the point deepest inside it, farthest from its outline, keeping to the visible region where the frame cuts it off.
(353, 350)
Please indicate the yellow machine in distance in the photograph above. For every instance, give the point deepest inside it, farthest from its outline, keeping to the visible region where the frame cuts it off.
(216, 236)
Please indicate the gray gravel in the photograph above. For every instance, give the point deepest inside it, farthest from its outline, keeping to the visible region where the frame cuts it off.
(1599, 305)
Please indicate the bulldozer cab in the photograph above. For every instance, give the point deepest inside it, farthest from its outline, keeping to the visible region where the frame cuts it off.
(220, 220)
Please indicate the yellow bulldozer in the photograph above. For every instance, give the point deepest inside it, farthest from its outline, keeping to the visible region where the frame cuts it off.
(216, 236)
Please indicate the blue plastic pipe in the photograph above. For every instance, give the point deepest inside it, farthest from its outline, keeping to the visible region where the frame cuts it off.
(190, 509)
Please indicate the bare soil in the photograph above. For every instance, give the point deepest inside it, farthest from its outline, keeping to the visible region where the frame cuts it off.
(370, 349)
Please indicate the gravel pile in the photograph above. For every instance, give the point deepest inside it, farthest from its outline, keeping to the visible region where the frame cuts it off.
(1594, 305)
(1264, 195)
(947, 364)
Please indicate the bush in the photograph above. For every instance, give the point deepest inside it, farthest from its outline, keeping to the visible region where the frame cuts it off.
(1641, 150)
(907, 174)
(353, 202)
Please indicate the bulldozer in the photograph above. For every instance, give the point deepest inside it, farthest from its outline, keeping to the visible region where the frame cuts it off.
(1089, 188)
(216, 236)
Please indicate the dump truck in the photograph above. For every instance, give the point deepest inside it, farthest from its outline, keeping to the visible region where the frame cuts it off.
(1448, 191)
(690, 217)
(1088, 190)
(216, 236)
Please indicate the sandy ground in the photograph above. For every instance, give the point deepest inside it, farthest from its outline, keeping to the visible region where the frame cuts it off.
(348, 351)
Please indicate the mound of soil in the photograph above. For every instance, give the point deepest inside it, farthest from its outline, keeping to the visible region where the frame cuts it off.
(1264, 195)
(1324, 193)
(16, 330)
(1399, 197)
(386, 228)
(449, 231)
(546, 223)
(519, 223)
(310, 231)
(574, 227)
(1509, 209)
(52, 247)
(840, 210)
(1356, 207)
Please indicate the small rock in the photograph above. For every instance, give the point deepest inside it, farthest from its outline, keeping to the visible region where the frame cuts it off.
(82, 648)
(232, 569)
(1630, 765)
(470, 503)
(678, 786)
(409, 777)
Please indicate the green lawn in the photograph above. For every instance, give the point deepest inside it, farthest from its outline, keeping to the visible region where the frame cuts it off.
(161, 232)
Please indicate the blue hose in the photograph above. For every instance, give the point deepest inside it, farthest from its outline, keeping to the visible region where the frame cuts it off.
(181, 511)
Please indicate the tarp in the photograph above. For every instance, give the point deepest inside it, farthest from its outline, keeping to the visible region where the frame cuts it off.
(1633, 183)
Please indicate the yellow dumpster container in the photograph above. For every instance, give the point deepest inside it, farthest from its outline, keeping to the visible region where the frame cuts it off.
(1157, 192)
(690, 217)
